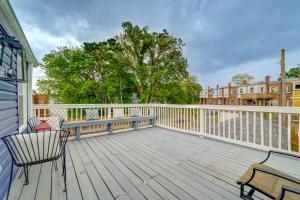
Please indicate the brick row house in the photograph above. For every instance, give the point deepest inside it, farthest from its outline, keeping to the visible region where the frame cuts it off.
(263, 93)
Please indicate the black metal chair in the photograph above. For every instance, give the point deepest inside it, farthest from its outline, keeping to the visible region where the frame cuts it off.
(33, 122)
(36, 148)
(269, 181)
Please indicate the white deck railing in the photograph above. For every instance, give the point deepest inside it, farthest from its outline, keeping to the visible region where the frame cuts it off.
(259, 127)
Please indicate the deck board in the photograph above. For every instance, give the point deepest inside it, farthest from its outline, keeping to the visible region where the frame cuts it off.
(152, 163)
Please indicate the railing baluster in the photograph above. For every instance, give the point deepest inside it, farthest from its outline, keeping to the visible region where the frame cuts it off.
(223, 120)
(76, 114)
(72, 114)
(229, 124)
(209, 121)
(247, 126)
(241, 125)
(262, 137)
(270, 129)
(190, 112)
(234, 125)
(289, 132)
(214, 121)
(218, 122)
(254, 127)
(279, 130)
(205, 125)
(184, 118)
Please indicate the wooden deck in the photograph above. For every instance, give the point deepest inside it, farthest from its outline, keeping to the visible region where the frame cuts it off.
(152, 163)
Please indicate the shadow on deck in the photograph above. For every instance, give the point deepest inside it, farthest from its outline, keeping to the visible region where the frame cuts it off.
(152, 163)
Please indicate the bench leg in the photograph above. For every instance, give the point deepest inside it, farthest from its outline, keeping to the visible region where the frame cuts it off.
(153, 122)
(110, 128)
(135, 125)
(77, 132)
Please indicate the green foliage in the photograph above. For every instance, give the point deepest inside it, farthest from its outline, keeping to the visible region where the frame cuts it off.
(293, 72)
(149, 64)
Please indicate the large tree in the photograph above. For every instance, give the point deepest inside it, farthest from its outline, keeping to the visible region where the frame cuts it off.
(150, 64)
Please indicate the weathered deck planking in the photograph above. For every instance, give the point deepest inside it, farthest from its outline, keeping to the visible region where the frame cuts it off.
(151, 163)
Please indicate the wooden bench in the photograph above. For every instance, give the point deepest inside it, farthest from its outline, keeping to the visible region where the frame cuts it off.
(109, 122)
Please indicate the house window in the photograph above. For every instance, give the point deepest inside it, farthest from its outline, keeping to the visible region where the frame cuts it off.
(241, 90)
(251, 90)
(22, 107)
(262, 89)
(297, 87)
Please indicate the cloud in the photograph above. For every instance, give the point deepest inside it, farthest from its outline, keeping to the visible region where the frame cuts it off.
(220, 36)
(42, 42)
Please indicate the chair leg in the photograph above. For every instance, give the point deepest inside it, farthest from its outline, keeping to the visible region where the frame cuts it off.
(64, 171)
(10, 180)
(242, 191)
(26, 175)
(248, 196)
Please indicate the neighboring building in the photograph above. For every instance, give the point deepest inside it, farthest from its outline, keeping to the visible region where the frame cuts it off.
(296, 94)
(40, 98)
(15, 97)
(267, 93)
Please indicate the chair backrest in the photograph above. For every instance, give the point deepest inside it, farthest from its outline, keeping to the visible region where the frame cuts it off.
(32, 123)
(33, 148)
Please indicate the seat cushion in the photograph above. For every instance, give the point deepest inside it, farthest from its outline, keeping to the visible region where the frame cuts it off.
(268, 183)
(36, 147)
(91, 114)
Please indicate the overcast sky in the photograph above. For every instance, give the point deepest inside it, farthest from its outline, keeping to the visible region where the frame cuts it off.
(222, 37)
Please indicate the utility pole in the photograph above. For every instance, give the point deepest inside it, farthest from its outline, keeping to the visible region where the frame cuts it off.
(283, 78)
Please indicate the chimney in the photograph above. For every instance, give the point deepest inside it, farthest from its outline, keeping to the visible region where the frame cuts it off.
(267, 82)
(282, 75)
(217, 90)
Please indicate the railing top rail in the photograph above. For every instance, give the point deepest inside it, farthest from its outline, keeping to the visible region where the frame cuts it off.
(272, 109)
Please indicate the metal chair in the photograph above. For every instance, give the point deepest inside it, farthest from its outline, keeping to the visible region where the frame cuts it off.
(33, 122)
(32, 149)
(269, 181)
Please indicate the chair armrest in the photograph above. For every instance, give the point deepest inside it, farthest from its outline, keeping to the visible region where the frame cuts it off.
(281, 153)
(273, 173)
(286, 188)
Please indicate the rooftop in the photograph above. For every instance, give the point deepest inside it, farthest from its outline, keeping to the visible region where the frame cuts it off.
(151, 163)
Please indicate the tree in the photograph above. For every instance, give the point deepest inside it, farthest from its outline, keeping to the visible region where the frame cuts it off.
(155, 59)
(293, 72)
(150, 64)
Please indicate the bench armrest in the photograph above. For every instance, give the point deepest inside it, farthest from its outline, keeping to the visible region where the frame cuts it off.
(286, 188)
(281, 153)
(273, 173)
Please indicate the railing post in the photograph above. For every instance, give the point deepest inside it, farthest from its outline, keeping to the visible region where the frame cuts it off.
(202, 120)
